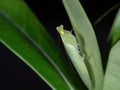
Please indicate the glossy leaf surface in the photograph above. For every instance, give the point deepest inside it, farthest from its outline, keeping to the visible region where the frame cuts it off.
(23, 34)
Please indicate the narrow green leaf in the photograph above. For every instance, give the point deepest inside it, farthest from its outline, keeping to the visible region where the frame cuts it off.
(24, 49)
(87, 41)
(112, 74)
(114, 34)
(107, 13)
(22, 33)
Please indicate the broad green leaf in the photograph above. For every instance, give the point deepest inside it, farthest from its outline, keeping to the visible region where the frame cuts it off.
(112, 74)
(23, 34)
(114, 35)
(87, 41)
(23, 48)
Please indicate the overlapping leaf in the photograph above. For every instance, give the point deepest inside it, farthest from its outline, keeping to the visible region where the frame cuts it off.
(87, 41)
(112, 74)
(22, 33)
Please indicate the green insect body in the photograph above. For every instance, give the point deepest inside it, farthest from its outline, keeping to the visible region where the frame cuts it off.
(71, 47)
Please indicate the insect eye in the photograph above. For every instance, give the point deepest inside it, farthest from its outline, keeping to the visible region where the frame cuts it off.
(62, 32)
(60, 29)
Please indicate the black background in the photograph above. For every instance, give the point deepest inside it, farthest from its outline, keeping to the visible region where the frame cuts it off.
(15, 75)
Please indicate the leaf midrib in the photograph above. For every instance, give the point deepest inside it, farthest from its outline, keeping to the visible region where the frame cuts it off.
(7, 17)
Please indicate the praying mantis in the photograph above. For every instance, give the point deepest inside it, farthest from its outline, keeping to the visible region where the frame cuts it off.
(72, 49)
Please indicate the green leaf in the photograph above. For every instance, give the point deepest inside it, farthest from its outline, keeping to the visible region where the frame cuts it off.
(23, 34)
(112, 74)
(114, 34)
(23, 48)
(87, 41)
(116, 6)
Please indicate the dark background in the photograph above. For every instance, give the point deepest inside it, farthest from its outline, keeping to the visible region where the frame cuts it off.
(15, 75)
